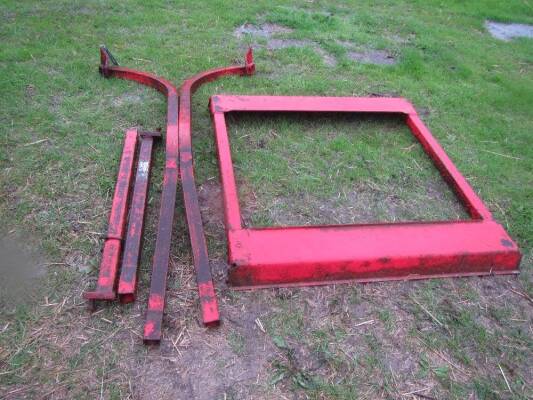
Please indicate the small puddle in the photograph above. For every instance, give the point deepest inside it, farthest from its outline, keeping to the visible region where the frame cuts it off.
(20, 271)
(276, 44)
(507, 32)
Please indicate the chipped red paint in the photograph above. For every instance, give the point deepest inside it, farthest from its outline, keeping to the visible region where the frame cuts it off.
(210, 315)
(314, 255)
(132, 248)
(156, 302)
(105, 287)
(149, 329)
(206, 290)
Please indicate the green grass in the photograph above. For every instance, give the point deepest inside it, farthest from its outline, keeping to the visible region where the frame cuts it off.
(61, 133)
(341, 169)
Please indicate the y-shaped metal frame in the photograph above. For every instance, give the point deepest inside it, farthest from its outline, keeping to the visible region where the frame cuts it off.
(177, 146)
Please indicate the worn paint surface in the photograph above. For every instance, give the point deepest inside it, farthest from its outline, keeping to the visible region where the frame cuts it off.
(170, 183)
(132, 248)
(105, 287)
(313, 255)
(206, 289)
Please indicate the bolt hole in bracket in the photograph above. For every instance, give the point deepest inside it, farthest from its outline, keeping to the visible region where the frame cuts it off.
(315, 255)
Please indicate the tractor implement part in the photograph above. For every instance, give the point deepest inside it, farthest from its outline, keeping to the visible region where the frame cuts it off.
(109, 68)
(132, 247)
(105, 287)
(206, 289)
(314, 255)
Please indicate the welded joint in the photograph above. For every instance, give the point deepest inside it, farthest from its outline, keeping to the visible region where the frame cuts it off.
(249, 64)
(152, 134)
(113, 237)
(105, 58)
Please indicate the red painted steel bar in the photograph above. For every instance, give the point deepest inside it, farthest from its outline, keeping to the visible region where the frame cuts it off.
(154, 314)
(206, 290)
(132, 247)
(105, 287)
(314, 255)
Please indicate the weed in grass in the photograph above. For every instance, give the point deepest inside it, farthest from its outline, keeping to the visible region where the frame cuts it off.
(237, 343)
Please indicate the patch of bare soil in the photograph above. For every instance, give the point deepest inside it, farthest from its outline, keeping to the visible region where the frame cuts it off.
(269, 31)
(378, 57)
(55, 103)
(212, 206)
(127, 98)
(265, 30)
(507, 32)
(368, 56)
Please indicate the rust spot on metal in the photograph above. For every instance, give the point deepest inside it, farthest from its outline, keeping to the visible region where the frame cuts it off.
(507, 243)
(133, 243)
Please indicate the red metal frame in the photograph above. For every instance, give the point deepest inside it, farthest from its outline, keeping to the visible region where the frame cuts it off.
(132, 248)
(105, 287)
(311, 255)
(178, 149)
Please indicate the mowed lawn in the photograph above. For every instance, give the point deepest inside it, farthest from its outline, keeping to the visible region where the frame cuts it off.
(61, 131)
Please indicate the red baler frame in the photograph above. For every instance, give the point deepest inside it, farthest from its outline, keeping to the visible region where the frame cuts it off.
(312, 255)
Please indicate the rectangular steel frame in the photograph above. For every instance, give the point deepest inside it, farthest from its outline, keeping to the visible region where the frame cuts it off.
(311, 255)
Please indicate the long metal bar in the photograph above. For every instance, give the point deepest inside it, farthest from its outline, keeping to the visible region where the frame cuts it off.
(206, 290)
(132, 247)
(105, 287)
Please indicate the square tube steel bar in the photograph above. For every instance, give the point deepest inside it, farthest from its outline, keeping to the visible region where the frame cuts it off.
(127, 284)
(105, 287)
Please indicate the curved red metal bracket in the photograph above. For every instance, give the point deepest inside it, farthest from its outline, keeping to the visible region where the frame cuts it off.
(190, 196)
(110, 68)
